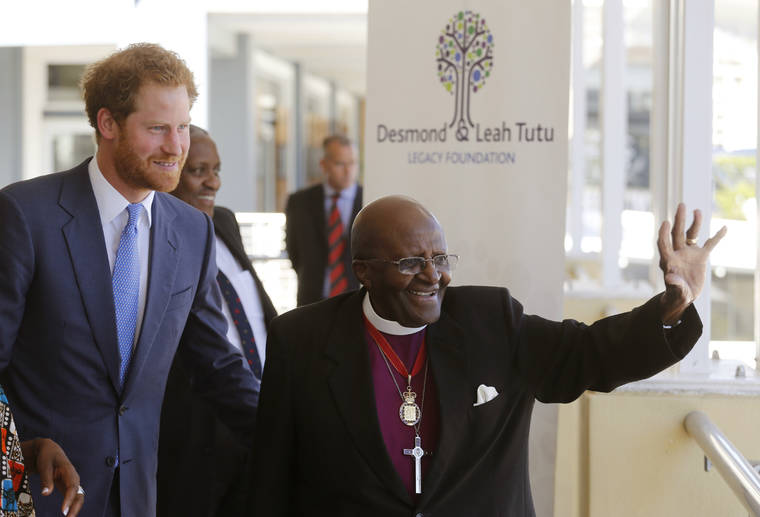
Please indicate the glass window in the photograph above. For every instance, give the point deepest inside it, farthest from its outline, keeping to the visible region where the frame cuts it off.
(63, 82)
(638, 46)
(317, 93)
(637, 220)
(347, 114)
(263, 237)
(586, 239)
(71, 149)
(591, 237)
(275, 163)
(734, 170)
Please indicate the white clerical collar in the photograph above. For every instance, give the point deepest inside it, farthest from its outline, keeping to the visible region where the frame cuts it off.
(386, 326)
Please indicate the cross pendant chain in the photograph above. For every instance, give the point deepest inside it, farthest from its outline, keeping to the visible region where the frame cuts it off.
(417, 452)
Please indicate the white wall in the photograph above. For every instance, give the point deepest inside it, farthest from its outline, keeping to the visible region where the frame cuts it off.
(10, 115)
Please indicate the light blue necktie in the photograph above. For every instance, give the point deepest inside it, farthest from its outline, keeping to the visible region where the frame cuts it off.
(126, 288)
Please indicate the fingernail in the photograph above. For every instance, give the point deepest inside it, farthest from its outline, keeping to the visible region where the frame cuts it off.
(66, 511)
(45, 491)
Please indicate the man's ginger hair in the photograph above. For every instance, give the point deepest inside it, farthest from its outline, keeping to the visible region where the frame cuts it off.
(114, 82)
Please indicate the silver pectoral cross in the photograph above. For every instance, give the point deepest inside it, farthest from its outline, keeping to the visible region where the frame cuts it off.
(418, 453)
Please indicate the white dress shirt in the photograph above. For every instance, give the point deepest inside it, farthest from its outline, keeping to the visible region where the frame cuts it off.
(244, 285)
(112, 207)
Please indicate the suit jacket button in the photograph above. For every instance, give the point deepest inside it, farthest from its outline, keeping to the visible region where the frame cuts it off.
(122, 410)
(110, 461)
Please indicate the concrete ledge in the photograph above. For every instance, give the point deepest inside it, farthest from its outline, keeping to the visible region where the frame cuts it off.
(719, 379)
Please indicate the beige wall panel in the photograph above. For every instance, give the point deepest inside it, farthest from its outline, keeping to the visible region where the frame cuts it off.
(641, 462)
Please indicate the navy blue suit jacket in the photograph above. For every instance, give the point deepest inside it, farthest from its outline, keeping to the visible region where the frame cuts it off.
(58, 347)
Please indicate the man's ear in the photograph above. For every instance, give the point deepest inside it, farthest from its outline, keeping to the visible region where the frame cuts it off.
(107, 125)
(361, 270)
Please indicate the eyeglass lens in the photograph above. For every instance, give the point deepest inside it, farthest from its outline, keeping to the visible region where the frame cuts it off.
(413, 265)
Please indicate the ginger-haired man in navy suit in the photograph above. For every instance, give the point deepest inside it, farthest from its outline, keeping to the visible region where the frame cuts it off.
(104, 277)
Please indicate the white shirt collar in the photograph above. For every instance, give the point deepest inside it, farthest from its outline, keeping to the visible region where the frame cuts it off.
(386, 326)
(110, 201)
(346, 193)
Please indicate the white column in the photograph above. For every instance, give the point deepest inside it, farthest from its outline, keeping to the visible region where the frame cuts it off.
(682, 114)
(757, 229)
(613, 112)
(11, 89)
(696, 175)
(662, 137)
(232, 122)
(577, 150)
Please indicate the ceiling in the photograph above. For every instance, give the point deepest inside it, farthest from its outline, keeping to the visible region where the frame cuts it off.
(332, 46)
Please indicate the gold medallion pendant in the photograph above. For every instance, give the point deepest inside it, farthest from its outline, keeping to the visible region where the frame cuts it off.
(409, 412)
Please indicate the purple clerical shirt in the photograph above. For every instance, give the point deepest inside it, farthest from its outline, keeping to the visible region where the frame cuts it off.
(397, 435)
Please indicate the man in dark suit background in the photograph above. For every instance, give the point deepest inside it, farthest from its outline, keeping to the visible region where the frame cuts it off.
(318, 223)
(195, 447)
(103, 278)
(393, 401)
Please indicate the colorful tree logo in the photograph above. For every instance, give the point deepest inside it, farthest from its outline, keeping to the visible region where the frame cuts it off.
(464, 56)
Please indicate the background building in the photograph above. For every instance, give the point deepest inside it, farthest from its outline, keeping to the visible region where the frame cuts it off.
(663, 107)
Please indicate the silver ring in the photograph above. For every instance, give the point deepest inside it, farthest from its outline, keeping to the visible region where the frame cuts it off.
(80, 490)
(691, 242)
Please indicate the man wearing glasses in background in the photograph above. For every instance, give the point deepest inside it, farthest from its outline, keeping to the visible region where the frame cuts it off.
(393, 401)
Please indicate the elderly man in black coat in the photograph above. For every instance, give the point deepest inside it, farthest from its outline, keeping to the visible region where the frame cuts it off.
(395, 400)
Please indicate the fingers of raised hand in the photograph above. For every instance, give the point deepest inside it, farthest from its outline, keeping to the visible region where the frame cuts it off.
(715, 239)
(679, 223)
(693, 232)
(664, 244)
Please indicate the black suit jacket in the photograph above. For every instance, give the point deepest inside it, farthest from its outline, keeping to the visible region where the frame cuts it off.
(318, 447)
(201, 464)
(306, 241)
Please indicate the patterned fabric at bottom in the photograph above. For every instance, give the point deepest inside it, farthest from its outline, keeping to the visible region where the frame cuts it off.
(15, 497)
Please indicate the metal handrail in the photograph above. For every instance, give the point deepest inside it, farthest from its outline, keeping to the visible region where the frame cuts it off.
(732, 465)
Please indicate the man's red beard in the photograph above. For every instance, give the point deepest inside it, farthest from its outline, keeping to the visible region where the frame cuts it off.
(137, 173)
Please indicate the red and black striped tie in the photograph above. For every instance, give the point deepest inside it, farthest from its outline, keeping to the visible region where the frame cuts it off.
(336, 244)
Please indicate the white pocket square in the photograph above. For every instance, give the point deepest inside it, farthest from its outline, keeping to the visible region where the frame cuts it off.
(485, 394)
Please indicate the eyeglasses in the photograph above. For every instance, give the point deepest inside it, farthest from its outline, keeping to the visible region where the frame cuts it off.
(415, 265)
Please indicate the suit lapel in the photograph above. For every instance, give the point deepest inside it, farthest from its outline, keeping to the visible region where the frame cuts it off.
(230, 236)
(87, 250)
(317, 211)
(163, 262)
(447, 345)
(226, 231)
(355, 397)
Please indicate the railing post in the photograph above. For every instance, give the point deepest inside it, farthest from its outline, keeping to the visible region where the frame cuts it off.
(738, 473)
